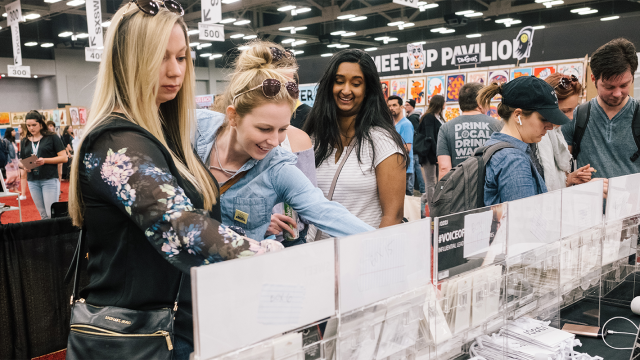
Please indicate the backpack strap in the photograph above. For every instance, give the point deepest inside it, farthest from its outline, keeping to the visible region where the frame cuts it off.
(582, 119)
(635, 129)
(483, 155)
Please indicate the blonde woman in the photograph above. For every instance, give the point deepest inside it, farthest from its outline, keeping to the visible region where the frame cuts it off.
(148, 206)
(241, 149)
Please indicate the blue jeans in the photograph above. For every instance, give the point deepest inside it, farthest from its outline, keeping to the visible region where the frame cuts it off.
(44, 193)
(410, 180)
(418, 173)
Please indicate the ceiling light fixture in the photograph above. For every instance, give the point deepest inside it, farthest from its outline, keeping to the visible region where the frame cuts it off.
(299, 42)
(287, 8)
(395, 23)
(249, 37)
(343, 46)
(419, 43)
(205, 55)
(205, 45)
(588, 12)
(82, 36)
(349, 34)
(327, 55)
(242, 22)
(31, 43)
(288, 41)
(288, 28)
(35, 76)
(448, 31)
(51, 1)
(423, 6)
(465, 12)
(340, 32)
(549, 4)
(215, 56)
(226, 21)
(193, 32)
(472, 15)
(31, 16)
(470, 36)
(75, 3)
(332, 45)
(236, 36)
(194, 44)
(371, 49)
(538, 27)
(508, 21)
(4, 15)
(616, 17)
(341, 17)
(580, 10)
(229, 1)
(358, 18)
(437, 30)
(65, 34)
(300, 11)
(298, 52)
(46, 45)
(241, 48)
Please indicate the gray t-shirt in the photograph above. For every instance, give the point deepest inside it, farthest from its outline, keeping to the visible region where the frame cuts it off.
(607, 144)
(460, 137)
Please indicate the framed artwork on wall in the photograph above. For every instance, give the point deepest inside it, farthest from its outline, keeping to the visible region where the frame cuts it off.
(399, 88)
(576, 69)
(544, 71)
(385, 88)
(479, 77)
(516, 73)
(5, 118)
(454, 83)
(451, 112)
(82, 115)
(435, 85)
(417, 90)
(74, 116)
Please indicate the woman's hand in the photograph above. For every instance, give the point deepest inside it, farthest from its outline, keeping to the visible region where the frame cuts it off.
(580, 176)
(40, 161)
(605, 187)
(279, 223)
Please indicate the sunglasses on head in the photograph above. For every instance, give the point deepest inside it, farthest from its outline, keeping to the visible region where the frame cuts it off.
(152, 7)
(278, 54)
(272, 87)
(567, 82)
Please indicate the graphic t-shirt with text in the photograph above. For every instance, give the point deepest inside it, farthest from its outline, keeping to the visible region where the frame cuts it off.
(460, 137)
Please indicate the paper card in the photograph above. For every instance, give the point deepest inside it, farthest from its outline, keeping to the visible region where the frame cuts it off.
(241, 302)
(477, 233)
(380, 264)
(623, 198)
(533, 222)
(581, 207)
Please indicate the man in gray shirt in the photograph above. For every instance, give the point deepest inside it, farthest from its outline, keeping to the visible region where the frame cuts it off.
(608, 144)
(460, 137)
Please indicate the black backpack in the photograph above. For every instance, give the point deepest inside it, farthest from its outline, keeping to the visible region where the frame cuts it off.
(462, 188)
(582, 119)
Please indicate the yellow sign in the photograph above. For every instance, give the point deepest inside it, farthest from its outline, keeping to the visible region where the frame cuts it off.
(524, 38)
(241, 216)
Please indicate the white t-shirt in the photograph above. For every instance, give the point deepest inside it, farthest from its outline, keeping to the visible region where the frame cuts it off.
(357, 186)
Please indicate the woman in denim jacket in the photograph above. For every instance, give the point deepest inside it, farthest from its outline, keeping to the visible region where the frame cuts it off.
(241, 148)
(529, 109)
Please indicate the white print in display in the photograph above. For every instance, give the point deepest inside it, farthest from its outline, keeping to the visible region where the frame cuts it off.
(503, 50)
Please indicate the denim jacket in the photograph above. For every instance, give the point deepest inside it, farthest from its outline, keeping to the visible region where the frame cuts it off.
(509, 173)
(270, 181)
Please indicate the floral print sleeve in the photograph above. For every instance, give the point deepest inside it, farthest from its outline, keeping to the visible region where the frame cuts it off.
(138, 181)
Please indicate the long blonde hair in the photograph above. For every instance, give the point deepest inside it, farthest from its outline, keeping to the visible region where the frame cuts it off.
(252, 67)
(128, 81)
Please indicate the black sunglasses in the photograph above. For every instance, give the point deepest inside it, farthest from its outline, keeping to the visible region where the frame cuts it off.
(567, 82)
(271, 88)
(152, 7)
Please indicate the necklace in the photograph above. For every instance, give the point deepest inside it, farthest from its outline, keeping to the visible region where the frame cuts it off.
(228, 172)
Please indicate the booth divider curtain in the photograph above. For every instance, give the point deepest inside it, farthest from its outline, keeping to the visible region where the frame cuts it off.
(34, 299)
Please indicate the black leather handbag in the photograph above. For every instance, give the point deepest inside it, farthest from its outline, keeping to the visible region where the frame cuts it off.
(110, 332)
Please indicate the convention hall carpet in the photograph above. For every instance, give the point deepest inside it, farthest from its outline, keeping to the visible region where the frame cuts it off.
(29, 211)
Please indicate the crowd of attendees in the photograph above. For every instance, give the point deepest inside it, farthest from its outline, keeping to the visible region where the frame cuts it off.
(159, 188)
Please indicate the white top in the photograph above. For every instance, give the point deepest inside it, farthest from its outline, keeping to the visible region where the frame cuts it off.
(357, 186)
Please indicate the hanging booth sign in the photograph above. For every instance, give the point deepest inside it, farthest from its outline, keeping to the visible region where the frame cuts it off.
(415, 54)
(94, 55)
(211, 32)
(15, 40)
(14, 13)
(94, 23)
(19, 71)
(468, 59)
(525, 42)
(211, 11)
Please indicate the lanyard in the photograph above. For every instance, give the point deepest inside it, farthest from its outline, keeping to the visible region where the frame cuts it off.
(35, 148)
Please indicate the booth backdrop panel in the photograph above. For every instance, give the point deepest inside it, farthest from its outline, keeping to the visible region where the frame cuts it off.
(34, 300)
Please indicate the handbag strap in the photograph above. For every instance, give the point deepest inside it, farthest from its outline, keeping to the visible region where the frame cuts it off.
(232, 181)
(76, 278)
(352, 144)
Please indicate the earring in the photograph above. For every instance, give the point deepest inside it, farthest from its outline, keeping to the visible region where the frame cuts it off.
(519, 120)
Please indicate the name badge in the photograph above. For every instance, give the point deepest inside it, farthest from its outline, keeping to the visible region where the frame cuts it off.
(241, 216)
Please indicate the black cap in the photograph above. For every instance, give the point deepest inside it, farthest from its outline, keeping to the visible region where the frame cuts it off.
(411, 102)
(532, 93)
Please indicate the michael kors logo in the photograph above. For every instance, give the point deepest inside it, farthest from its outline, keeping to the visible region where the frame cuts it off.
(119, 321)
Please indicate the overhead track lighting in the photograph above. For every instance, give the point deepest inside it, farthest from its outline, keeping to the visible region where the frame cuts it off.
(341, 17)
(242, 22)
(371, 49)
(226, 21)
(358, 18)
(616, 17)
